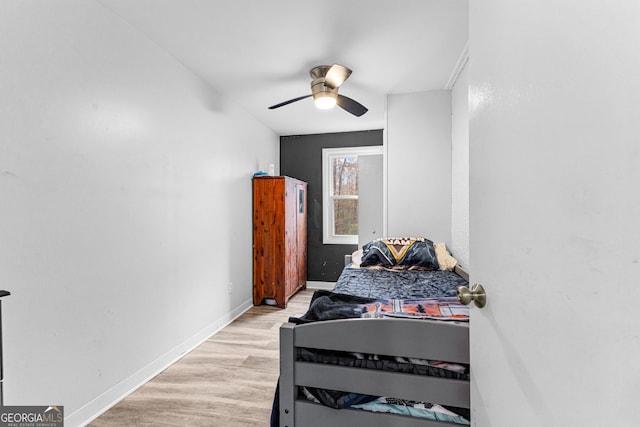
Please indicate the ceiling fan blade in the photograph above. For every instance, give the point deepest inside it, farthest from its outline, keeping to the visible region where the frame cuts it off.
(336, 75)
(353, 107)
(289, 101)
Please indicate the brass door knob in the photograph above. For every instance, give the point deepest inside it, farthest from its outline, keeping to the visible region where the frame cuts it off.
(476, 294)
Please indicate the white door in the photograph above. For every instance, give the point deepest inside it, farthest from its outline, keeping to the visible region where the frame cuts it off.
(370, 198)
(555, 212)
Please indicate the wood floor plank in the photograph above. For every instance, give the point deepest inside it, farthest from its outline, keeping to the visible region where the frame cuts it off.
(229, 380)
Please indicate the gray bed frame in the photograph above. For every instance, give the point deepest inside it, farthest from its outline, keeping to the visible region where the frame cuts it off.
(424, 339)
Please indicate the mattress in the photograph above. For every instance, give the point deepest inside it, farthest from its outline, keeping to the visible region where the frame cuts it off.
(402, 284)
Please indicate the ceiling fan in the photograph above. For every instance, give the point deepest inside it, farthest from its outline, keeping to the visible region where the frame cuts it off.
(324, 89)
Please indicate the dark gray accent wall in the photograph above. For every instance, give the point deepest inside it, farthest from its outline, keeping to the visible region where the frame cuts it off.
(301, 158)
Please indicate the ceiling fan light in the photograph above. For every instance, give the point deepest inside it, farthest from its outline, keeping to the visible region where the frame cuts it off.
(325, 100)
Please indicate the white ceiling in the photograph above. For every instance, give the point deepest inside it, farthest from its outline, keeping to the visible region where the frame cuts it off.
(259, 52)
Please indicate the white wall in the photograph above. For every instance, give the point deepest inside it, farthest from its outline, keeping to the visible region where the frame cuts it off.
(418, 145)
(126, 205)
(460, 169)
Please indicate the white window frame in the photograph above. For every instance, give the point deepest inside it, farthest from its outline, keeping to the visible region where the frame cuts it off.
(328, 236)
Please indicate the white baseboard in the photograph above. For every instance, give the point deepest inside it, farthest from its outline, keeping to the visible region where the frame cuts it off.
(321, 285)
(109, 398)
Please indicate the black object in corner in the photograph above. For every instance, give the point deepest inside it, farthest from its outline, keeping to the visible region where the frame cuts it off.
(2, 294)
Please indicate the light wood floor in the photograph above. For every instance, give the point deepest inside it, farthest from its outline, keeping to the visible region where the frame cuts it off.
(229, 380)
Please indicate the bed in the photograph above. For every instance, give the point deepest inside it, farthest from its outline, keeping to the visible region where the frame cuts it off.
(388, 346)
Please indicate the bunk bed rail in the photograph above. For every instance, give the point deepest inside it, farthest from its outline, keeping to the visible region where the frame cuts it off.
(419, 338)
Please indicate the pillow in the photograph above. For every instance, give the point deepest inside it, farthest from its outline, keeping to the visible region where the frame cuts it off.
(445, 260)
(356, 258)
(402, 252)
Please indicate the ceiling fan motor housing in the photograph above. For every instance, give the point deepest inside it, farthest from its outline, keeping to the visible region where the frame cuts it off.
(319, 71)
(318, 88)
(324, 97)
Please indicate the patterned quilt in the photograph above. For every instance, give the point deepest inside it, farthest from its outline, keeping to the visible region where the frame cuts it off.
(326, 305)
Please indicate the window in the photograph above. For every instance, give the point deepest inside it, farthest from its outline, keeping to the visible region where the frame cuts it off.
(340, 193)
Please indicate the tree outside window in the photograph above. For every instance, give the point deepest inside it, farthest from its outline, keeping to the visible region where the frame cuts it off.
(345, 193)
(340, 190)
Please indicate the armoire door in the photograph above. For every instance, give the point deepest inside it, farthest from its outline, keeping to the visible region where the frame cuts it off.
(291, 239)
(301, 226)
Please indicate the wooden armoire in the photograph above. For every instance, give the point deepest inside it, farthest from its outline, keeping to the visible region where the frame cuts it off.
(279, 239)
